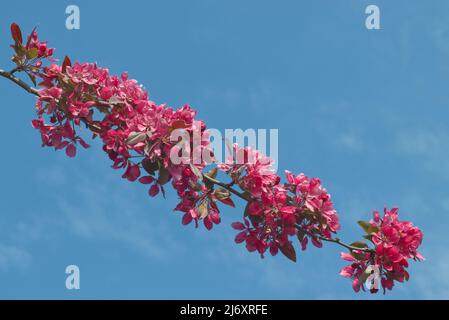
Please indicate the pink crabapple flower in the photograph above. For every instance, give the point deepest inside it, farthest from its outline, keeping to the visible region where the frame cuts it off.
(395, 242)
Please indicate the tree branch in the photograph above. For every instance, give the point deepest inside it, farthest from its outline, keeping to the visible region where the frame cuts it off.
(20, 82)
(228, 187)
(10, 76)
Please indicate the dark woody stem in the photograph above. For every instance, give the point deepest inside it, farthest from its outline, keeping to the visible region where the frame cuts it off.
(21, 83)
(10, 76)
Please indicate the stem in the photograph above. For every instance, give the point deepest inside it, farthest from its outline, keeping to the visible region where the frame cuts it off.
(228, 187)
(339, 242)
(21, 83)
(15, 70)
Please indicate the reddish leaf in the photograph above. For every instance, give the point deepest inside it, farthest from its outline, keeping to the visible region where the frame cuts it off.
(187, 218)
(317, 242)
(83, 143)
(164, 176)
(132, 173)
(238, 226)
(253, 209)
(208, 223)
(66, 63)
(71, 150)
(16, 33)
(215, 218)
(150, 166)
(228, 201)
(179, 124)
(240, 237)
(29, 37)
(289, 251)
(154, 190)
(146, 179)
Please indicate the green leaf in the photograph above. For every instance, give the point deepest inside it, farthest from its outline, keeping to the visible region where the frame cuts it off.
(367, 227)
(406, 275)
(136, 137)
(196, 171)
(114, 100)
(359, 244)
(202, 209)
(212, 173)
(32, 53)
(222, 193)
(20, 51)
(358, 256)
(364, 276)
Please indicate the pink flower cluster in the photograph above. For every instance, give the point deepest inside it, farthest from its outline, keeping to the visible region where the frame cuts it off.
(301, 207)
(135, 131)
(29, 57)
(132, 127)
(395, 242)
(43, 51)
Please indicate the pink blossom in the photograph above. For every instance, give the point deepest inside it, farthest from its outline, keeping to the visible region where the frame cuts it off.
(71, 150)
(395, 242)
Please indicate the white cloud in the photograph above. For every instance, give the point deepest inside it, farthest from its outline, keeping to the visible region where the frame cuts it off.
(97, 210)
(429, 148)
(431, 278)
(350, 141)
(93, 222)
(12, 257)
(97, 206)
(420, 142)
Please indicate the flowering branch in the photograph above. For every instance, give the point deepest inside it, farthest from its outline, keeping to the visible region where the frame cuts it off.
(137, 135)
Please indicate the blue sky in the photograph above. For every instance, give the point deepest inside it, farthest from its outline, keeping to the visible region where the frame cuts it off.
(364, 110)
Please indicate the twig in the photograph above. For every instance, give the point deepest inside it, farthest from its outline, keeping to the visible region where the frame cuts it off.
(21, 83)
